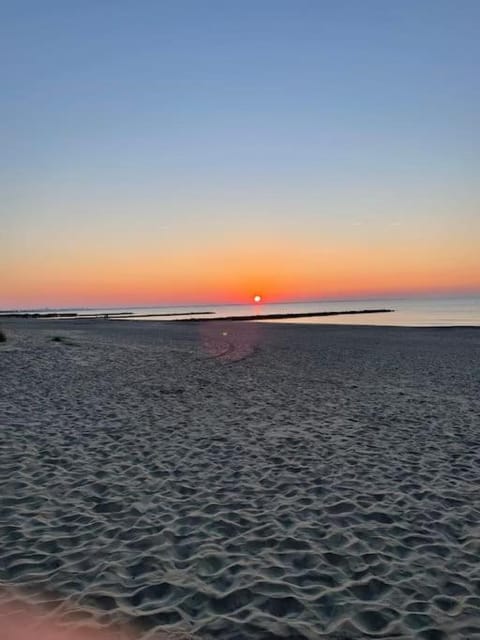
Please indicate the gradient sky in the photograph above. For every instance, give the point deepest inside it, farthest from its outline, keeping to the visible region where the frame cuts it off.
(203, 151)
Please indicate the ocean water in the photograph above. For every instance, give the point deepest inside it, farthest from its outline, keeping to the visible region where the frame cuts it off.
(415, 312)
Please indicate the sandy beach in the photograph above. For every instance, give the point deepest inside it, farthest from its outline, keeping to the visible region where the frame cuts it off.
(243, 481)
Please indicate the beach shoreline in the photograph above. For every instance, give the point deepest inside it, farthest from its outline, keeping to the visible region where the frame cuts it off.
(243, 480)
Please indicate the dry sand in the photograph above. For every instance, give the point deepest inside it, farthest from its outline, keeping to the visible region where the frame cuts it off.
(243, 481)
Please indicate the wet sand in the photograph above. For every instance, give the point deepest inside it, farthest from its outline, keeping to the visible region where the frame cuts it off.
(243, 480)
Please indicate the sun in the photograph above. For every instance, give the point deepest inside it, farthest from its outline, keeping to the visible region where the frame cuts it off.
(257, 298)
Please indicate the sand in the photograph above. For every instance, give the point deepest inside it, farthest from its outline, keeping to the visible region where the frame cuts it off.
(243, 481)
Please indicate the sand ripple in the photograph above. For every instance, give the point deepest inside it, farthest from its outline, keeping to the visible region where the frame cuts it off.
(274, 482)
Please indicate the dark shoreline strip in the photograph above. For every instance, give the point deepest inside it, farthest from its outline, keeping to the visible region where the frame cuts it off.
(152, 315)
(35, 314)
(127, 315)
(280, 316)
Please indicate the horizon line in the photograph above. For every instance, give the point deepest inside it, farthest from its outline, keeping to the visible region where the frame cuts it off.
(385, 296)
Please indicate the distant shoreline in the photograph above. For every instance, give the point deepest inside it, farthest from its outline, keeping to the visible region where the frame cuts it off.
(125, 315)
(283, 316)
(106, 316)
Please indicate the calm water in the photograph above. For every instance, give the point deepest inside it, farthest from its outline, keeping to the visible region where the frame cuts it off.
(407, 312)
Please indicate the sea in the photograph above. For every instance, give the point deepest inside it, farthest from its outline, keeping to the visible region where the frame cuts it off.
(407, 312)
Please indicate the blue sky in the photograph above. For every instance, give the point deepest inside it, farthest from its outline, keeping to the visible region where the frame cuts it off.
(218, 115)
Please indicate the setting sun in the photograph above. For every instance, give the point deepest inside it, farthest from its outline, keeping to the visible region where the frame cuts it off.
(257, 298)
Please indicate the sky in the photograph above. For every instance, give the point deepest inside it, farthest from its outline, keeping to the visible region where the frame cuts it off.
(204, 151)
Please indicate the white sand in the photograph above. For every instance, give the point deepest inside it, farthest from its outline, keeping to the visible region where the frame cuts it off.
(244, 481)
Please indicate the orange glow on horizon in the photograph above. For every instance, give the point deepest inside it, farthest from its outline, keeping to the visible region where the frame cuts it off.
(232, 274)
